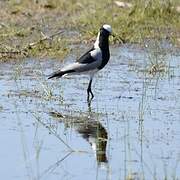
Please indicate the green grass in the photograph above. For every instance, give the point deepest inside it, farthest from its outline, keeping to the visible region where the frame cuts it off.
(23, 21)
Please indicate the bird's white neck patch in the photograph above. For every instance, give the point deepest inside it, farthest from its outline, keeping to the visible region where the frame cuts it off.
(96, 44)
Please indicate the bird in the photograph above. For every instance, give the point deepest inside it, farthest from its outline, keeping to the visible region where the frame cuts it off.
(92, 61)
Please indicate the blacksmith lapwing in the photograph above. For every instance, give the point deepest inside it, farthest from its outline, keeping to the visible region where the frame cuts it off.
(92, 61)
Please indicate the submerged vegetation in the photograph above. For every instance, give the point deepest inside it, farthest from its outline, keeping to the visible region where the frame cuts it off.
(24, 22)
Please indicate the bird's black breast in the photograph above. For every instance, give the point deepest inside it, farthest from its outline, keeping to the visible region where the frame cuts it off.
(105, 58)
(86, 58)
(104, 46)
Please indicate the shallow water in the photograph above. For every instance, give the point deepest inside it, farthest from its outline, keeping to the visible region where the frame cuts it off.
(130, 130)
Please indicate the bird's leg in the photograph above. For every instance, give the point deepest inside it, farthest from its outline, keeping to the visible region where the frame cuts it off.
(89, 91)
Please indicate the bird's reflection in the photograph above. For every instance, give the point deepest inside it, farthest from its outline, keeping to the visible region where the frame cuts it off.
(92, 131)
(96, 135)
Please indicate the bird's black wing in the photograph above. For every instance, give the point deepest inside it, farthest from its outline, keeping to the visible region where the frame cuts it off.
(86, 58)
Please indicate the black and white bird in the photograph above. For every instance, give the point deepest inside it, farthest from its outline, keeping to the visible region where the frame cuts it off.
(92, 61)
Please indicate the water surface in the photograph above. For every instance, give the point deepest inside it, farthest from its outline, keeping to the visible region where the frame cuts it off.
(131, 129)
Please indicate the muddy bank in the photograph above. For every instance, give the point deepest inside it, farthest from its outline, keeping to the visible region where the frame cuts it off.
(26, 22)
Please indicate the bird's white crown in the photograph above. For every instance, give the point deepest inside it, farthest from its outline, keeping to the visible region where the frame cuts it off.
(107, 27)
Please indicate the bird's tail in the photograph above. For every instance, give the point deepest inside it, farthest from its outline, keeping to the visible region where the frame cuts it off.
(59, 74)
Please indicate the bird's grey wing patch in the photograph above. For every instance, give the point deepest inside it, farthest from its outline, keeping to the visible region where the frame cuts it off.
(73, 66)
(89, 67)
(79, 67)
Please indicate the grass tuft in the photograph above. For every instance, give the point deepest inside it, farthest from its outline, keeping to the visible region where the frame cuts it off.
(23, 21)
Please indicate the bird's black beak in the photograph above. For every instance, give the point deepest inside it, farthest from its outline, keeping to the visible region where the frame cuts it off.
(113, 35)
